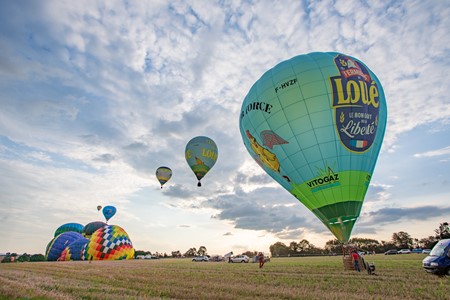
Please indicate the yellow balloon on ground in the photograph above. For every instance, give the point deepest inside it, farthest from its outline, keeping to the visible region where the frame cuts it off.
(110, 242)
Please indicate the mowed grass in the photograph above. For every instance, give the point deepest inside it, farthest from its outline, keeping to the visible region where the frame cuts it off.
(398, 277)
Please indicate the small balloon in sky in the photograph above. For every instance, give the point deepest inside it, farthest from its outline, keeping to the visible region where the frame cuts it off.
(201, 154)
(108, 212)
(163, 174)
(315, 123)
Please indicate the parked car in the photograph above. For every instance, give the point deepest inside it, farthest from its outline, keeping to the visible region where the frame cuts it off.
(438, 262)
(240, 259)
(201, 258)
(426, 251)
(404, 251)
(417, 250)
(390, 252)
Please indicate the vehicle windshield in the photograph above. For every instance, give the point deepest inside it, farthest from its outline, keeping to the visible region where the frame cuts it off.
(438, 250)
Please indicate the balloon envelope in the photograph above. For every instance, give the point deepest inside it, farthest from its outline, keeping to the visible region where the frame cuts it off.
(201, 154)
(315, 123)
(99, 207)
(110, 242)
(109, 212)
(59, 243)
(163, 174)
(76, 227)
(91, 227)
(74, 250)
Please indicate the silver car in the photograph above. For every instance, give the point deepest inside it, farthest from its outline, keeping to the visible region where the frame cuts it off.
(240, 259)
(201, 258)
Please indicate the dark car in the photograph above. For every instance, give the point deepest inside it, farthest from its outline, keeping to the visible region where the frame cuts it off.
(390, 252)
(438, 262)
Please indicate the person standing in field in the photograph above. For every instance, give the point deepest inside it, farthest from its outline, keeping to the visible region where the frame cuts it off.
(355, 257)
(261, 259)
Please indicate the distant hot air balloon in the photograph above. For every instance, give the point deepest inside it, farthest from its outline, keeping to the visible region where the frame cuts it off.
(59, 243)
(315, 123)
(109, 211)
(99, 207)
(163, 174)
(108, 243)
(91, 227)
(76, 227)
(201, 155)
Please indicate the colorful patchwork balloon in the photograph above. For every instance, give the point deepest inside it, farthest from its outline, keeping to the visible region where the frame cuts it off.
(110, 242)
(315, 123)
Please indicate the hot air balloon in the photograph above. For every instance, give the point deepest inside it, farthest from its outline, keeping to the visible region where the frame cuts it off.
(108, 243)
(99, 207)
(315, 124)
(91, 227)
(163, 174)
(76, 227)
(201, 155)
(109, 211)
(74, 250)
(59, 243)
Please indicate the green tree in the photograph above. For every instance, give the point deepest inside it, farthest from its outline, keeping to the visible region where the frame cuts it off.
(279, 249)
(428, 242)
(24, 257)
(191, 252)
(201, 250)
(402, 239)
(443, 232)
(37, 257)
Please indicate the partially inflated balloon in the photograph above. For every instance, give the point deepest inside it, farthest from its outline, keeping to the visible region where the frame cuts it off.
(69, 227)
(91, 227)
(163, 174)
(74, 250)
(315, 123)
(59, 243)
(201, 155)
(110, 242)
(109, 212)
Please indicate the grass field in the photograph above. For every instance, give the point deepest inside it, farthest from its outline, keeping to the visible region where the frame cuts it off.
(398, 277)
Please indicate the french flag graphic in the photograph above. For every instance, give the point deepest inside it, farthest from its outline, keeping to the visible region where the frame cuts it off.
(359, 143)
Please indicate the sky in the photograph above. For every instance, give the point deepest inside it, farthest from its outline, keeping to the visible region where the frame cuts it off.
(96, 95)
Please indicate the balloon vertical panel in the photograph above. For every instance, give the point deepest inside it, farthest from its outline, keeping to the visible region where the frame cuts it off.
(315, 123)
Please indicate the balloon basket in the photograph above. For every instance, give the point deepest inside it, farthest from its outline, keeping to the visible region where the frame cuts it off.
(348, 262)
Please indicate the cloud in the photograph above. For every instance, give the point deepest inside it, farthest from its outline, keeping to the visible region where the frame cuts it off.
(433, 153)
(390, 215)
(264, 209)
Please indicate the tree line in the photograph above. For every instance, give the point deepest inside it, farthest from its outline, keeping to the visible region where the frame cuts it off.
(400, 240)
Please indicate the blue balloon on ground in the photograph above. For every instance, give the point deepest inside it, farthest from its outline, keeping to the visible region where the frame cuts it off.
(59, 243)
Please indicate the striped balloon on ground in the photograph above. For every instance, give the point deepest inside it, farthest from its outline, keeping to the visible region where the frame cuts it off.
(110, 242)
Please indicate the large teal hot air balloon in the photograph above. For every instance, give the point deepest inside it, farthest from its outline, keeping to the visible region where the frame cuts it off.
(201, 155)
(315, 123)
(163, 174)
(108, 212)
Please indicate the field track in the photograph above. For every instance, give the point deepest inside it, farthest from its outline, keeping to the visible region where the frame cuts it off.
(397, 277)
